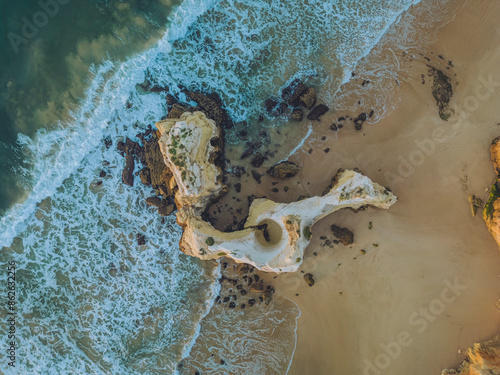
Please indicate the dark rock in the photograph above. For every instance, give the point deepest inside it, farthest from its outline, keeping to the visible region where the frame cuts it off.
(365, 83)
(251, 302)
(237, 186)
(159, 173)
(442, 91)
(274, 190)
(154, 201)
(344, 235)
(327, 150)
(102, 174)
(166, 209)
(256, 175)
(141, 239)
(317, 112)
(243, 292)
(308, 98)
(145, 176)
(249, 151)
(257, 160)
(232, 305)
(275, 107)
(211, 105)
(108, 142)
(297, 114)
(256, 278)
(333, 127)
(128, 171)
(177, 110)
(292, 92)
(285, 169)
(308, 278)
(226, 299)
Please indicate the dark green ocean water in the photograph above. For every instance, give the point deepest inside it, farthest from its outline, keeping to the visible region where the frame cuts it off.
(44, 71)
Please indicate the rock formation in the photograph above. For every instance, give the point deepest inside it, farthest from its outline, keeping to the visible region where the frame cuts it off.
(482, 359)
(190, 147)
(491, 211)
(275, 235)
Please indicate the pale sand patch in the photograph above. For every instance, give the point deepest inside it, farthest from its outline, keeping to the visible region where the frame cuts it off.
(428, 237)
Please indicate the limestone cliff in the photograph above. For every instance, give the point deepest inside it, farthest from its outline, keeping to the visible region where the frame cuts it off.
(482, 359)
(190, 146)
(491, 212)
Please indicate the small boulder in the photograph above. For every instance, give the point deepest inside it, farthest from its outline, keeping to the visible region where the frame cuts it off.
(128, 171)
(141, 239)
(285, 169)
(256, 175)
(344, 235)
(317, 112)
(257, 160)
(309, 279)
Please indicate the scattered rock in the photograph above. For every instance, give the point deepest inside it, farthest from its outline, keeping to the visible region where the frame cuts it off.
(344, 235)
(308, 98)
(141, 239)
(128, 171)
(317, 112)
(308, 278)
(256, 175)
(274, 107)
(285, 169)
(257, 160)
(291, 93)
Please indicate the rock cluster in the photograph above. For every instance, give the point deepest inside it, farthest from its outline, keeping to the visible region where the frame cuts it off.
(293, 96)
(275, 235)
(482, 359)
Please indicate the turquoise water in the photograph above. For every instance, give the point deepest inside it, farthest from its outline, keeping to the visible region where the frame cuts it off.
(90, 299)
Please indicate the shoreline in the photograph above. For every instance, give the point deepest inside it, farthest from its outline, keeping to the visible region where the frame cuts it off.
(418, 261)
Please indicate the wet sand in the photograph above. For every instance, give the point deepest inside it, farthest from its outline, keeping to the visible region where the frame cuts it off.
(430, 278)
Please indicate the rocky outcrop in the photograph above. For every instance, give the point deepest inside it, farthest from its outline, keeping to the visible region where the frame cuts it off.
(482, 359)
(275, 235)
(344, 235)
(442, 92)
(285, 169)
(128, 171)
(190, 146)
(491, 211)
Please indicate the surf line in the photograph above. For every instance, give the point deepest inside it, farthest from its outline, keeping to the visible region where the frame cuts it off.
(309, 132)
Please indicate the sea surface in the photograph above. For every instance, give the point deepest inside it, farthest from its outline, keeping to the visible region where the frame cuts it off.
(90, 300)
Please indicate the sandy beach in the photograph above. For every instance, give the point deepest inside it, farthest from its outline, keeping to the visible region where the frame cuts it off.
(428, 286)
